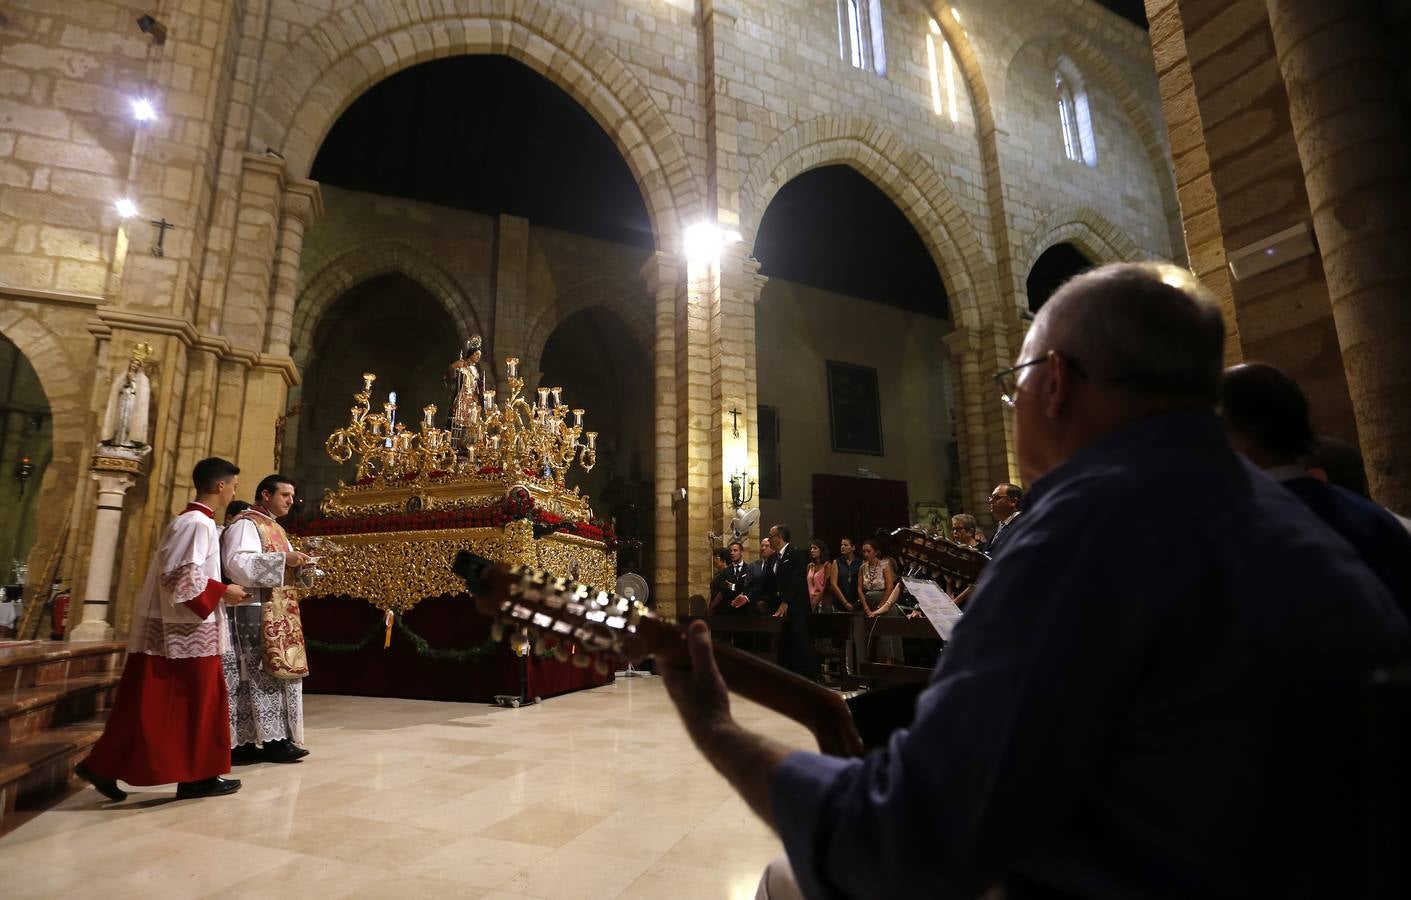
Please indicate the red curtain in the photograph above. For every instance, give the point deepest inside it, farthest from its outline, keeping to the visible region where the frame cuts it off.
(399, 671)
(857, 507)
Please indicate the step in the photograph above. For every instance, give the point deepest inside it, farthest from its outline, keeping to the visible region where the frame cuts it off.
(42, 766)
(35, 663)
(26, 712)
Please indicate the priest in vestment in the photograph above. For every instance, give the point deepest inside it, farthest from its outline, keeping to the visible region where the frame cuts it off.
(256, 554)
(169, 721)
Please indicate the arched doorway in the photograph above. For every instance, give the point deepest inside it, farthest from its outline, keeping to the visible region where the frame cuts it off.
(26, 448)
(605, 370)
(851, 361)
(390, 326)
(1054, 266)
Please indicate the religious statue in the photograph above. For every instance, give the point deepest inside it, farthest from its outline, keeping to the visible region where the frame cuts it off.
(129, 401)
(467, 383)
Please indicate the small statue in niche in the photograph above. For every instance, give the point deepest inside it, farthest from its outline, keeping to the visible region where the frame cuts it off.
(467, 383)
(125, 423)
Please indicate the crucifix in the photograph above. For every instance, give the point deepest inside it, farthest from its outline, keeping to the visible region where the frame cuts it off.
(734, 422)
(159, 249)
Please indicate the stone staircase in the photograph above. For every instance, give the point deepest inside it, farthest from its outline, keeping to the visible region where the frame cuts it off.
(54, 699)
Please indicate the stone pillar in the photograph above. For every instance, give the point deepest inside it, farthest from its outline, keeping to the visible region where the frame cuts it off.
(983, 427)
(303, 205)
(662, 275)
(734, 447)
(1349, 119)
(115, 471)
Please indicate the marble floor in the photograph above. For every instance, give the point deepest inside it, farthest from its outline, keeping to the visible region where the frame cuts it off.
(597, 794)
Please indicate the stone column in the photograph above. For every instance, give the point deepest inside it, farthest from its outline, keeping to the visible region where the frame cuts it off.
(1350, 122)
(662, 275)
(734, 447)
(303, 205)
(115, 471)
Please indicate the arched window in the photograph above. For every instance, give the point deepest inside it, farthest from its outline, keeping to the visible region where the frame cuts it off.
(860, 34)
(943, 74)
(1075, 118)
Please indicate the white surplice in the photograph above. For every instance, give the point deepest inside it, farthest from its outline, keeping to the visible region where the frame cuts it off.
(262, 708)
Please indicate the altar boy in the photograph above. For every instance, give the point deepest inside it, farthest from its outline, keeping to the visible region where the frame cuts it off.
(168, 722)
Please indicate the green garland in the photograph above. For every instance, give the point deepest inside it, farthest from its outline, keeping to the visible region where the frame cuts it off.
(464, 655)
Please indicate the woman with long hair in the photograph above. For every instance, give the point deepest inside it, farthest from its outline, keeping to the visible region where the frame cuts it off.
(819, 567)
(878, 590)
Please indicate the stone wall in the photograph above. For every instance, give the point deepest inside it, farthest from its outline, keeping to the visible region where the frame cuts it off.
(800, 329)
(712, 108)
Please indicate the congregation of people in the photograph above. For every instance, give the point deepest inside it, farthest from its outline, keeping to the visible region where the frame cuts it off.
(1158, 686)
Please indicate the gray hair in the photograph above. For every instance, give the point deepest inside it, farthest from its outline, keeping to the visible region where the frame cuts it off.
(964, 519)
(1150, 328)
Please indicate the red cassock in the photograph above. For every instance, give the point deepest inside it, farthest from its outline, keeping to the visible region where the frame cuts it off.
(169, 721)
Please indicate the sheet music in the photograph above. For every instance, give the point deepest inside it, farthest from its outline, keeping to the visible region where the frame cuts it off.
(936, 605)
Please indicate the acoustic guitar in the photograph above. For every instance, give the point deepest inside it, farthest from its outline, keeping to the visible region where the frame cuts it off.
(572, 621)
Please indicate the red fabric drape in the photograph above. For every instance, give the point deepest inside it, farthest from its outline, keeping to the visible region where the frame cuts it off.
(444, 622)
(857, 507)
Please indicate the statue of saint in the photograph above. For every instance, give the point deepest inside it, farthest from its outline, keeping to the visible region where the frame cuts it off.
(129, 401)
(467, 383)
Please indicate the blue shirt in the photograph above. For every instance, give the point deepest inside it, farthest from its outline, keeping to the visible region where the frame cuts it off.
(1151, 694)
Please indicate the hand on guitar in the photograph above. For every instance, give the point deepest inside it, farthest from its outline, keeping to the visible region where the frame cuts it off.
(695, 685)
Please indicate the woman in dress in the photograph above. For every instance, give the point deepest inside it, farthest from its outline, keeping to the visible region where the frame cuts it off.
(818, 569)
(878, 591)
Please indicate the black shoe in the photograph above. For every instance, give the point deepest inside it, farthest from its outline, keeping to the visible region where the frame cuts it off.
(209, 787)
(108, 787)
(245, 755)
(282, 751)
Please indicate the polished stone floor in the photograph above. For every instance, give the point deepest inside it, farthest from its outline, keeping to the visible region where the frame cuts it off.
(597, 794)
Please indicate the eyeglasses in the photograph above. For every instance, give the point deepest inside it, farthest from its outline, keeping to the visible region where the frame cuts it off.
(1008, 380)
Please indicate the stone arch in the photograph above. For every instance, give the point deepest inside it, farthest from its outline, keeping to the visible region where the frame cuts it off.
(1086, 229)
(345, 53)
(907, 178)
(611, 293)
(358, 264)
(67, 393)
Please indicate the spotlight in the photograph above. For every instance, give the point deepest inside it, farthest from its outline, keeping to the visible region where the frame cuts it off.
(702, 242)
(143, 110)
(126, 208)
(149, 25)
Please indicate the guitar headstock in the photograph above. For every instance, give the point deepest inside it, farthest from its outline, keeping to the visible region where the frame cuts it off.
(934, 556)
(559, 614)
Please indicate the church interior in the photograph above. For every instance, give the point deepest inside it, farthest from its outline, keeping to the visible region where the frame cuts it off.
(598, 288)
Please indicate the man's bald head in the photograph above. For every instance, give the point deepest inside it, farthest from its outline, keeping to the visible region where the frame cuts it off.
(1149, 328)
(1113, 346)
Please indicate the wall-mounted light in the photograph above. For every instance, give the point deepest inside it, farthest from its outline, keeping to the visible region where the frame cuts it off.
(149, 25)
(23, 469)
(738, 495)
(126, 208)
(704, 240)
(144, 110)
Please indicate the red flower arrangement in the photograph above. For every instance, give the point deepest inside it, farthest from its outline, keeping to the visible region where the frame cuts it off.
(518, 504)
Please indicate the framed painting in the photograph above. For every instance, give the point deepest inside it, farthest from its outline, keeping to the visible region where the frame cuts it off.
(854, 409)
(933, 515)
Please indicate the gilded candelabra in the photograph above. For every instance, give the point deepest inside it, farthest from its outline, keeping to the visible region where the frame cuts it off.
(514, 439)
(384, 446)
(518, 436)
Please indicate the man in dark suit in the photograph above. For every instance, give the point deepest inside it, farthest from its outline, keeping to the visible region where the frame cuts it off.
(737, 579)
(1266, 417)
(789, 583)
(1004, 506)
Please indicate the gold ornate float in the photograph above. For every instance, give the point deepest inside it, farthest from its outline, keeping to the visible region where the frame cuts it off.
(421, 496)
